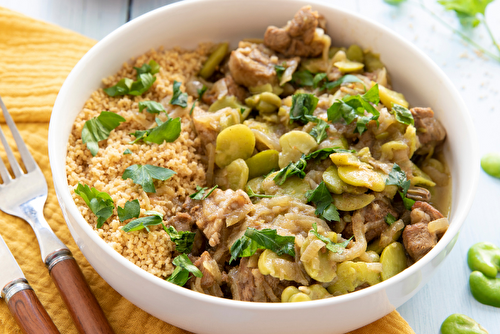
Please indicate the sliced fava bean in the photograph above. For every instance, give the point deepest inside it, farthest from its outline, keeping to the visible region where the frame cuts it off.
(348, 66)
(393, 260)
(234, 142)
(389, 97)
(256, 185)
(345, 159)
(372, 62)
(362, 177)
(485, 257)
(490, 163)
(353, 274)
(280, 266)
(485, 290)
(350, 202)
(303, 293)
(262, 163)
(214, 60)
(355, 53)
(461, 324)
(293, 145)
(335, 185)
(293, 186)
(231, 102)
(233, 176)
(316, 261)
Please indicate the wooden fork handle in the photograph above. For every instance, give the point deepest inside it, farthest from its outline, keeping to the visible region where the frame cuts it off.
(76, 294)
(27, 309)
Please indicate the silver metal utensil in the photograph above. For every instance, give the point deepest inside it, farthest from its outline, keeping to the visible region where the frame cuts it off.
(20, 297)
(24, 196)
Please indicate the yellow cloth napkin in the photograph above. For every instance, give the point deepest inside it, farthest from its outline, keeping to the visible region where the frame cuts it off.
(35, 58)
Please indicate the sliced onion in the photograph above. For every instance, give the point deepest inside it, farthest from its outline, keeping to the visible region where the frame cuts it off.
(438, 226)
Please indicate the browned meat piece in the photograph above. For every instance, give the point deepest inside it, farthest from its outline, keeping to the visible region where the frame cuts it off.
(225, 86)
(419, 194)
(211, 280)
(418, 240)
(248, 284)
(251, 65)
(220, 210)
(423, 212)
(374, 215)
(430, 132)
(297, 38)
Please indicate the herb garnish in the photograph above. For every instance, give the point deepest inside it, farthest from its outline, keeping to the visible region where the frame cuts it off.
(318, 78)
(167, 131)
(252, 194)
(303, 105)
(144, 222)
(280, 69)
(322, 198)
(303, 78)
(152, 107)
(179, 98)
(100, 203)
(331, 246)
(266, 238)
(183, 239)
(131, 209)
(319, 131)
(325, 153)
(127, 151)
(403, 115)
(144, 80)
(354, 107)
(99, 128)
(390, 219)
(144, 175)
(293, 168)
(184, 267)
(202, 193)
(398, 178)
(345, 79)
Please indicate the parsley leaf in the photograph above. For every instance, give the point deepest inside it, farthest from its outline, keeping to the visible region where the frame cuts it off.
(408, 202)
(167, 131)
(345, 79)
(100, 203)
(201, 193)
(152, 107)
(183, 268)
(394, 2)
(99, 128)
(252, 194)
(293, 168)
(322, 198)
(467, 10)
(402, 114)
(183, 239)
(354, 107)
(331, 246)
(318, 78)
(390, 219)
(303, 105)
(131, 209)
(144, 81)
(144, 175)
(325, 153)
(143, 222)
(303, 78)
(266, 238)
(201, 91)
(280, 69)
(319, 131)
(127, 151)
(397, 177)
(179, 98)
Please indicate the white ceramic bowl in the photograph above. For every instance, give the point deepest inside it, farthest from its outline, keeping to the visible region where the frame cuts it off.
(188, 23)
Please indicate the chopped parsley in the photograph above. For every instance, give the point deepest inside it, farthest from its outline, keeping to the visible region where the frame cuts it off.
(303, 105)
(331, 246)
(318, 78)
(201, 91)
(100, 203)
(390, 219)
(152, 107)
(353, 107)
(144, 175)
(144, 81)
(183, 239)
(403, 115)
(345, 79)
(143, 222)
(131, 209)
(303, 78)
(167, 131)
(99, 128)
(319, 131)
(179, 98)
(184, 267)
(280, 69)
(127, 151)
(325, 153)
(398, 178)
(202, 193)
(293, 168)
(266, 238)
(322, 198)
(252, 194)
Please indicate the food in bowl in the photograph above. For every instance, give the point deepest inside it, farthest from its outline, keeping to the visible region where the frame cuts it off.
(286, 170)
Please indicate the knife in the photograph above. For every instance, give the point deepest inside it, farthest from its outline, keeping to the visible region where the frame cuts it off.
(20, 297)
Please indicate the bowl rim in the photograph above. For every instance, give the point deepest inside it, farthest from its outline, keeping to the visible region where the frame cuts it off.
(66, 200)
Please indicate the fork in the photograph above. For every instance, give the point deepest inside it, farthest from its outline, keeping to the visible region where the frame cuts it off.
(24, 196)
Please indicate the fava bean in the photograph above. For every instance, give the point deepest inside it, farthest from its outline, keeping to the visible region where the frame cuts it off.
(353, 274)
(490, 163)
(214, 60)
(262, 163)
(461, 324)
(234, 142)
(293, 145)
(335, 185)
(347, 66)
(486, 290)
(231, 102)
(355, 53)
(362, 177)
(372, 62)
(389, 97)
(485, 257)
(393, 260)
(350, 202)
(233, 176)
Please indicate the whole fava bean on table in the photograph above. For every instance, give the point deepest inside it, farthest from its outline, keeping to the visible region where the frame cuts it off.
(484, 289)
(461, 324)
(484, 257)
(490, 162)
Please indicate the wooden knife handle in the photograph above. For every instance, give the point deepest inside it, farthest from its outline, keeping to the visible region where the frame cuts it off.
(74, 290)
(27, 309)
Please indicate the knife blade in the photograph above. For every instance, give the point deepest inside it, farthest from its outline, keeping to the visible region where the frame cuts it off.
(20, 297)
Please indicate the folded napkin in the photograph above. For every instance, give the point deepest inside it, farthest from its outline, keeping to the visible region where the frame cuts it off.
(35, 58)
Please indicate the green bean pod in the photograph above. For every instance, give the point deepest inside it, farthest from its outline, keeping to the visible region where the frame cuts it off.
(461, 324)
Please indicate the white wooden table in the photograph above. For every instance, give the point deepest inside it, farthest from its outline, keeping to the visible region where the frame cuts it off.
(475, 76)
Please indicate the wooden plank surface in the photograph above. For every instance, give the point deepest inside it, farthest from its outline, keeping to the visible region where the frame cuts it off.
(475, 76)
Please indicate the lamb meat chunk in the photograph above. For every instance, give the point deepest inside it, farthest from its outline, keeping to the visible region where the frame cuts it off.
(423, 212)
(251, 65)
(430, 131)
(220, 210)
(418, 240)
(224, 86)
(211, 280)
(299, 36)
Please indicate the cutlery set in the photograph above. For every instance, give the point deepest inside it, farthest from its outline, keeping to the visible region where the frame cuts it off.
(23, 195)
